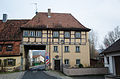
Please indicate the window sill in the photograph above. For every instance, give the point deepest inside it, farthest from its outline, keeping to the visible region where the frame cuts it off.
(55, 51)
(66, 51)
(77, 51)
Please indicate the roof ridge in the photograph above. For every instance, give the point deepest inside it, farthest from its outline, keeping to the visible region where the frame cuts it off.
(54, 13)
(15, 19)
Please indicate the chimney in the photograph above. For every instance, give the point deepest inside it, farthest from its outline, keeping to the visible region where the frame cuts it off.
(4, 17)
(49, 13)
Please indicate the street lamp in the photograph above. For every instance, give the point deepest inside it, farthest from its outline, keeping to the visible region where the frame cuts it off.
(62, 42)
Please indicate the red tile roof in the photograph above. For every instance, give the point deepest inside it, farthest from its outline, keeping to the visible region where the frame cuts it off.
(10, 30)
(35, 56)
(57, 20)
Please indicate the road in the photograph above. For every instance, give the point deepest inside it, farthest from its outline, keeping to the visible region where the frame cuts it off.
(37, 75)
(36, 72)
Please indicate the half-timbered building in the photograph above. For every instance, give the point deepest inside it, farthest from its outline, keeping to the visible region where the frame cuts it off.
(63, 37)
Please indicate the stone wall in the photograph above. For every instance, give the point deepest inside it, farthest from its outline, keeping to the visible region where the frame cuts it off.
(85, 71)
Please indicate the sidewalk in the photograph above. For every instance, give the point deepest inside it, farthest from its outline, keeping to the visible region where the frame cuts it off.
(15, 75)
(57, 74)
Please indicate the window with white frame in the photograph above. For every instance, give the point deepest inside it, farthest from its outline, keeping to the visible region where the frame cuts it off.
(55, 34)
(77, 61)
(77, 48)
(32, 33)
(38, 34)
(67, 35)
(25, 33)
(55, 48)
(66, 48)
(66, 61)
(77, 34)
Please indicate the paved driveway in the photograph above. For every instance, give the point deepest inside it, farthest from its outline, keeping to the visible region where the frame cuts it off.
(37, 75)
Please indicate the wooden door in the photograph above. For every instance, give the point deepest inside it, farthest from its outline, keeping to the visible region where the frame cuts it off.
(57, 65)
(117, 65)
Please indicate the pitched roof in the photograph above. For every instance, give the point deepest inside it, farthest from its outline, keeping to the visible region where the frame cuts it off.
(35, 56)
(115, 47)
(10, 30)
(57, 20)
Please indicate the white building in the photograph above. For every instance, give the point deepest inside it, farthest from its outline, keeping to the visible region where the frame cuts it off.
(38, 58)
(112, 58)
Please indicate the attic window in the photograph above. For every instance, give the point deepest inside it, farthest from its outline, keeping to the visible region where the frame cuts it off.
(55, 34)
(25, 33)
(67, 34)
(38, 34)
(0, 47)
(9, 47)
(77, 34)
(32, 33)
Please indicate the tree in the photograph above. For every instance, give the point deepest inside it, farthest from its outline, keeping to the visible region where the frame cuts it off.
(111, 37)
(92, 43)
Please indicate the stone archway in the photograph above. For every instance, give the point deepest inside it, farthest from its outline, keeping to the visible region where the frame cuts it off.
(31, 47)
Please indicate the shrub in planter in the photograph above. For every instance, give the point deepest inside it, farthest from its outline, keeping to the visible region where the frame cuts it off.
(80, 66)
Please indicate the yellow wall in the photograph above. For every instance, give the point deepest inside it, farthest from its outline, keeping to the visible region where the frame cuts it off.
(17, 64)
(84, 55)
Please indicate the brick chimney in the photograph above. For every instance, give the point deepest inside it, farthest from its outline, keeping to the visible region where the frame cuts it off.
(49, 13)
(4, 17)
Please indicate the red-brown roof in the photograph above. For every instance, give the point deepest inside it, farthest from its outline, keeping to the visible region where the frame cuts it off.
(35, 56)
(57, 20)
(10, 30)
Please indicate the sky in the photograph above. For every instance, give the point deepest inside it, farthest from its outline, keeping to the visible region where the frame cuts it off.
(100, 15)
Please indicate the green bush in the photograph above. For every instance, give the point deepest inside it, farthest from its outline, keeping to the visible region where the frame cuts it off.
(80, 66)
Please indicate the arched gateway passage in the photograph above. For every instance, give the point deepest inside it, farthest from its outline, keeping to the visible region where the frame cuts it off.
(31, 47)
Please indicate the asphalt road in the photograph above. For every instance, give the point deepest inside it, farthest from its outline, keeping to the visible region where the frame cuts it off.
(37, 75)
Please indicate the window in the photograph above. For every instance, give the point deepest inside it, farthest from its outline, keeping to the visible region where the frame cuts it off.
(77, 61)
(38, 34)
(9, 62)
(0, 47)
(77, 34)
(26, 33)
(56, 34)
(66, 61)
(55, 48)
(0, 62)
(32, 33)
(66, 48)
(77, 48)
(108, 60)
(67, 34)
(9, 47)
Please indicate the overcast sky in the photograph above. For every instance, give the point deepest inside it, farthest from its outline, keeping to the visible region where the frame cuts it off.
(100, 15)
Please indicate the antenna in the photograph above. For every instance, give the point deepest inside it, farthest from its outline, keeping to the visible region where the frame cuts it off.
(35, 8)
